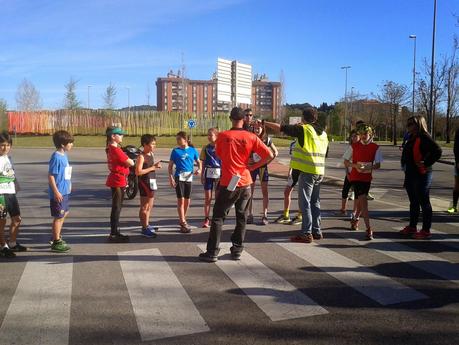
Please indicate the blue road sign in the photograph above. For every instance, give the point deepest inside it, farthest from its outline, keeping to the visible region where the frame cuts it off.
(191, 123)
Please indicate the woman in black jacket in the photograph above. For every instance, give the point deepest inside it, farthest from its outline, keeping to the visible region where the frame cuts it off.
(419, 154)
(453, 209)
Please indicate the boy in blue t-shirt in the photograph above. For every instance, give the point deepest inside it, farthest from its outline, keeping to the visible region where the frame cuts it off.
(183, 157)
(60, 186)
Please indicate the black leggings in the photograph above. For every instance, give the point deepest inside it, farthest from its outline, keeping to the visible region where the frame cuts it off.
(117, 204)
(347, 185)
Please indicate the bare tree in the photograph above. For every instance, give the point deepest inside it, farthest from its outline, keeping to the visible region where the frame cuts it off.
(70, 99)
(109, 97)
(28, 97)
(451, 86)
(395, 95)
(423, 92)
(3, 109)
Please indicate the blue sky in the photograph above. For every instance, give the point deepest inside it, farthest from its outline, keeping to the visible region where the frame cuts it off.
(131, 43)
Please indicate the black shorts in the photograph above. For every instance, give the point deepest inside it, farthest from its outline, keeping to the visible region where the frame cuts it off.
(182, 189)
(361, 188)
(11, 206)
(293, 178)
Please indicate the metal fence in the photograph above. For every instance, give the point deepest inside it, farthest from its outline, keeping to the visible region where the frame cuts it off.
(94, 122)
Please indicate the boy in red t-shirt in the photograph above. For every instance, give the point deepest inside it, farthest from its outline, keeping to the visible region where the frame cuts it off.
(118, 165)
(363, 157)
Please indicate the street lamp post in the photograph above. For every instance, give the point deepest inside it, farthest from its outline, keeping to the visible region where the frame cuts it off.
(414, 71)
(89, 105)
(345, 101)
(432, 71)
(129, 99)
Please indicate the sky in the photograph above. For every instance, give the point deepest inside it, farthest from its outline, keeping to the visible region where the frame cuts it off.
(133, 42)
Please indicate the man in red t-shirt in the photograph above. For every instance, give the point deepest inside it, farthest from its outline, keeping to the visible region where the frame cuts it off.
(234, 147)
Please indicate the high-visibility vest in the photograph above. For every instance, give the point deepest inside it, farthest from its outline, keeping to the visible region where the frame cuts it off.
(311, 157)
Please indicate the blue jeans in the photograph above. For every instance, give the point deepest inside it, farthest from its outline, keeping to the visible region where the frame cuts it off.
(309, 202)
(418, 188)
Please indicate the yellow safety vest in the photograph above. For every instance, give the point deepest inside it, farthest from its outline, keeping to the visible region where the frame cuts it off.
(311, 157)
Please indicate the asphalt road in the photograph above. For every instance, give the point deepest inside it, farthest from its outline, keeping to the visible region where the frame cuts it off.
(340, 290)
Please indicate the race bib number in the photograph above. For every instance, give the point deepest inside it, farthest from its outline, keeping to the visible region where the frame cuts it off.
(213, 172)
(153, 185)
(68, 173)
(7, 188)
(186, 176)
(256, 158)
(365, 167)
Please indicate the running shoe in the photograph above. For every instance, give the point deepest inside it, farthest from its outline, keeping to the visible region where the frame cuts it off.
(422, 235)
(206, 223)
(185, 228)
(264, 220)
(282, 220)
(118, 238)
(60, 246)
(318, 236)
(148, 232)
(408, 230)
(235, 254)
(452, 209)
(7, 253)
(369, 235)
(297, 220)
(370, 197)
(18, 248)
(249, 219)
(302, 238)
(354, 224)
(207, 257)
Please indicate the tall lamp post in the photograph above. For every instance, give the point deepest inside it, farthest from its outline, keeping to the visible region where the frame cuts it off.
(129, 99)
(414, 71)
(89, 105)
(432, 71)
(345, 101)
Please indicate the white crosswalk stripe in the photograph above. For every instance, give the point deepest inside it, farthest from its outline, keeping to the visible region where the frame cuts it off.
(276, 297)
(39, 312)
(382, 289)
(161, 305)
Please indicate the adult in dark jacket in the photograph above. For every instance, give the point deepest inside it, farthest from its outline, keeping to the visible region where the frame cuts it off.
(419, 154)
(453, 208)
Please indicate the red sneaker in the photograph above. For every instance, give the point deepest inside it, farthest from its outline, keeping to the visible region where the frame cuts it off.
(206, 223)
(354, 224)
(301, 238)
(422, 235)
(408, 230)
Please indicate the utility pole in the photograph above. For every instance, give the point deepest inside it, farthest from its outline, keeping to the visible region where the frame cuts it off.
(345, 101)
(432, 71)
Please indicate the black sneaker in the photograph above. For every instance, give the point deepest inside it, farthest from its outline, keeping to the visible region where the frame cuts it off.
(207, 257)
(235, 255)
(18, 248)
(7, 253)
(118, 238)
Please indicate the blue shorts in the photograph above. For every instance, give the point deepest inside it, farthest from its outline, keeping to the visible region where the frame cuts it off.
(59, 209)
(263, 172)
(211, 183)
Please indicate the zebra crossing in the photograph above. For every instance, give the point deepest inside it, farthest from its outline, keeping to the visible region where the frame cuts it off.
(163, 307)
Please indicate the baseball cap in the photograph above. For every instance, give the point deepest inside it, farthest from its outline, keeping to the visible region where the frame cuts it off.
(116, 130)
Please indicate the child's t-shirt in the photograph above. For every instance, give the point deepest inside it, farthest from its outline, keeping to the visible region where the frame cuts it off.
(60, 168)
(184, 159)
(7, 176)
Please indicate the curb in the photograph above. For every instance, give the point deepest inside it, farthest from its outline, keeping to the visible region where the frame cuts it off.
(328, 180)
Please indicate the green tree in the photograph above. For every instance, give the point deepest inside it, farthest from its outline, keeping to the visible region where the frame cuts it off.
(109, 97)
(71, 100)
(3, 118)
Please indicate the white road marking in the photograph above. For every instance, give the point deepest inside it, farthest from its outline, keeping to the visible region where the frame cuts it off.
(276, 297)
(380, 288)
(39, 312)
(161, 305)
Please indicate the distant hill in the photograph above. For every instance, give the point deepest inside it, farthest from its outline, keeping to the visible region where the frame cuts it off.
(140, 108)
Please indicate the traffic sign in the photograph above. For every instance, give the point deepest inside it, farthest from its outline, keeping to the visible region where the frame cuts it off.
(191, 123)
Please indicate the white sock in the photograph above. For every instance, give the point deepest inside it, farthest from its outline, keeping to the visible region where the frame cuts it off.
(5, 246)
(12, 244)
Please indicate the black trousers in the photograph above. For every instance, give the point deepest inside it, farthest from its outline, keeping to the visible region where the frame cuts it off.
(225, 200)
(346, 187)
(117, 204)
